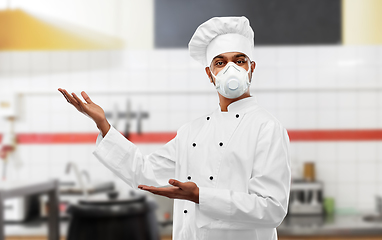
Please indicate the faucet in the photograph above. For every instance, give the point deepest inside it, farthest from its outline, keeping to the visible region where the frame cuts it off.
(87, 176)
(128, 119)
(139, 120)
(71, 165)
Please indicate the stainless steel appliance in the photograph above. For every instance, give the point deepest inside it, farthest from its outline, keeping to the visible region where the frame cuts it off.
(306, 198)
(16, 209)
(20, 209)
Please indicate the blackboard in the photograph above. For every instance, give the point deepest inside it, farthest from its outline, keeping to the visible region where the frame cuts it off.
(275, 22)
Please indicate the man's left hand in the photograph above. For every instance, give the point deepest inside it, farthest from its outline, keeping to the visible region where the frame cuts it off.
(178, 190)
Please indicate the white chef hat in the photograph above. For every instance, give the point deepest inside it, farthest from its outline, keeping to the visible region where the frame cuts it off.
(220, 35)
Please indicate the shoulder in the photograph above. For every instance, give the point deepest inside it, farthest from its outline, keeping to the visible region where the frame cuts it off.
(262, 116)
(263, 122)
(194, 125)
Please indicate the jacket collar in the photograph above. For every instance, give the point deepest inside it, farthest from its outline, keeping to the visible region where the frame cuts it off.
(243, 105)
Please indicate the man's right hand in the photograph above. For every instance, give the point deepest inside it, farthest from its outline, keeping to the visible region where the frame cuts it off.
(89, 108)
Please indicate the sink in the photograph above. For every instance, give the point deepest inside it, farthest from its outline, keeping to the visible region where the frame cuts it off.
(71, 188)
(71, 193)
(377, 217)
(372, 218)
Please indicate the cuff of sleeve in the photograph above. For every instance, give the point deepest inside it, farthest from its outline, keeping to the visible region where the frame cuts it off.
(99, 138)
(113, 142)
(214, 202)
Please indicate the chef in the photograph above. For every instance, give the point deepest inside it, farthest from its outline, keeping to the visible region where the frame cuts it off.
(228, 171)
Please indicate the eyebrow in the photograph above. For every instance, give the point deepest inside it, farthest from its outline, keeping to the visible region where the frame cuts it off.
(218, 56)
(240, 55)
(236, 56)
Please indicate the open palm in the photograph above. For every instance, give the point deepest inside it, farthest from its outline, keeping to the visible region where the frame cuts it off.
(88, 108)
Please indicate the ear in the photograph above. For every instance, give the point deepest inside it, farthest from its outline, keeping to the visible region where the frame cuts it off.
(208, 71)
(253, 66)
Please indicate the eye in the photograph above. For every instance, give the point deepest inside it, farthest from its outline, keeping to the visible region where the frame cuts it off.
(219, 64)
(241, 61)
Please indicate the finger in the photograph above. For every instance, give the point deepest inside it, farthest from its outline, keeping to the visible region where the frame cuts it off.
(79, 101)
(152, 190)
(72, 100)
(160, 194)
(145, 187)
(169, 194)
(86, 97)
(64, 95)
(159, 189)
(175, 183)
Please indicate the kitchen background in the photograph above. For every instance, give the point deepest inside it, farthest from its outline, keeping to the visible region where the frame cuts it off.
(328, 96)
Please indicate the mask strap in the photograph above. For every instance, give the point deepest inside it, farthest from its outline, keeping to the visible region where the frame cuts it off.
(212, 72)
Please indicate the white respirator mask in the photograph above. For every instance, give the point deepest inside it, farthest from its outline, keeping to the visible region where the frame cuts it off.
(232, 81)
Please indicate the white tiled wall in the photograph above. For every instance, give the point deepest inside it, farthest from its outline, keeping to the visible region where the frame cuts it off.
(310, 87)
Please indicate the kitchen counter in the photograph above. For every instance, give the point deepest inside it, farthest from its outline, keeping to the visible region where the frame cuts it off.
(39, 227)
(32, 228)
(337, 225)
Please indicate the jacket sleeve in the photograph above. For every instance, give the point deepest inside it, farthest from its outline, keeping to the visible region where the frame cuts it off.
(124, 159)
(266, 202)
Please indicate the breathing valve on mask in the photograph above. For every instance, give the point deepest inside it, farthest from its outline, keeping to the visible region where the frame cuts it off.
(232, 81)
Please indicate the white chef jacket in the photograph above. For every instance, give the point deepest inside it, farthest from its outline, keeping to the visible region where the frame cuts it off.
(239, 160)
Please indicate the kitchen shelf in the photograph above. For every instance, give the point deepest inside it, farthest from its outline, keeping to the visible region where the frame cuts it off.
(335, 227)
(19, 189)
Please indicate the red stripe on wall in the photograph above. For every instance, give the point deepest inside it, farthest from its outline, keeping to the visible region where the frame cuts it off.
(163, 137)
(335, 135)
(56, 138)
(75, 138)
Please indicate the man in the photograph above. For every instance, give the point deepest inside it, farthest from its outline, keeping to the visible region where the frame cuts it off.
(229, 171)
